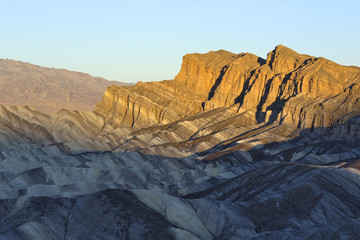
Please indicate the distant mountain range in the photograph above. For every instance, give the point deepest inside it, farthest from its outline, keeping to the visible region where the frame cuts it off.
(49, 89)
(235, 147)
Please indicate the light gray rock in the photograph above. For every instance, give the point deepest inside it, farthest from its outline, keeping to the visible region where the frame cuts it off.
(113, 185)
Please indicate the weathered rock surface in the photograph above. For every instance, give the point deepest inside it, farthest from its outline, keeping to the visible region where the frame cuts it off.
(145, 104)
(214, 175)
(287, 86)
(49, 89)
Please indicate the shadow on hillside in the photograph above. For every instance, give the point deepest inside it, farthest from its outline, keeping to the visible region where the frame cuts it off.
(337, 146)
(278, 185)
(332, 145)
(319, 141)
(283, 185)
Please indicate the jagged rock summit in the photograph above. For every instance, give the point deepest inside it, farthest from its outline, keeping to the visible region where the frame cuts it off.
(286, 87)
(49, 89)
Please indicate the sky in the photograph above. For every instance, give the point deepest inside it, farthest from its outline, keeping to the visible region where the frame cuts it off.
(132, 41)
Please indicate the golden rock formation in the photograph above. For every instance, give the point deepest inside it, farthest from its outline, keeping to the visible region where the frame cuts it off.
(287, 87)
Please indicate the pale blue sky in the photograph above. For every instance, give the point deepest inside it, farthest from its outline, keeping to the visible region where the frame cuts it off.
(145, 40)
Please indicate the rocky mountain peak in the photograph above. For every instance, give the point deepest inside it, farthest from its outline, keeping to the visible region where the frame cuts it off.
(284, 59)
(286, 87)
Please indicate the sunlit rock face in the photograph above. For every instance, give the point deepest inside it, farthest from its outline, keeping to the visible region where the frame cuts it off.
(235, 147)
(287, 86)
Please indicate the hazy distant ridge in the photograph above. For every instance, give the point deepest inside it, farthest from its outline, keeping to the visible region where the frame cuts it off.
(49, 89)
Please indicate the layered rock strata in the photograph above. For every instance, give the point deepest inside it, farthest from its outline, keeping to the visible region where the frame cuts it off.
(286, 87)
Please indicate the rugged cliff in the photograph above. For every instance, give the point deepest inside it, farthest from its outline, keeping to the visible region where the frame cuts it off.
(286, 87)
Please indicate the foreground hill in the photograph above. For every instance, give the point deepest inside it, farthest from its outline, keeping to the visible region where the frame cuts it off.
(49, 89)
(164, 161)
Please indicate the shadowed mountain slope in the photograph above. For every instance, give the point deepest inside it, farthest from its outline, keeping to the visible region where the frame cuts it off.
(210, 176)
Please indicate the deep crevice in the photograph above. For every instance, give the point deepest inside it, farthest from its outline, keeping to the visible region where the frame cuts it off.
(260, 116)
(217, 82)
(246, 88)
(278, 105)
(261, 61)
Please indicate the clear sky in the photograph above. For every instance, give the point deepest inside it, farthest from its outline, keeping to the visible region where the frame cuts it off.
(145, 40)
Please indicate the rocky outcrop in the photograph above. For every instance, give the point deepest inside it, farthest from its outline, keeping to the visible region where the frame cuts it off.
(286, 87)
(145, 104)
(49, 89)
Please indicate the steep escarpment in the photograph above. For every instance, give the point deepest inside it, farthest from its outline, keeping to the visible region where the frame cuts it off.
(304, 81)
(286, 87)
